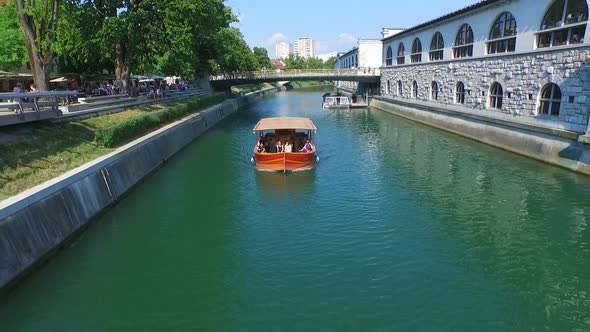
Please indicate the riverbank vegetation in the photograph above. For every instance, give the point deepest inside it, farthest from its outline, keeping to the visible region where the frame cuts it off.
(34, 153)
(247, 88)
(303, 84)
(185, 38)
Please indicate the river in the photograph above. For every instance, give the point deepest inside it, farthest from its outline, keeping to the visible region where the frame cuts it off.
(400, 227)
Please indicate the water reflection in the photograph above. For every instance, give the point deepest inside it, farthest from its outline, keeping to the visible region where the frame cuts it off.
(523, 227)
(285, 183)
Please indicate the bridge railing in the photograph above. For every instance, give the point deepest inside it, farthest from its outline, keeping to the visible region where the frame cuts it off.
(298, 73)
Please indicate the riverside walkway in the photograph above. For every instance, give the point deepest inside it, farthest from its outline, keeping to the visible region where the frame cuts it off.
(53, 105)
(357, 75)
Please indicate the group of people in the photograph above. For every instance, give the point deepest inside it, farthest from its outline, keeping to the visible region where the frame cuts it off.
(18, 88)
(287, 147)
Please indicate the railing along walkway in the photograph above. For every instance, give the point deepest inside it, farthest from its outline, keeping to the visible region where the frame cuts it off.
(286, 75)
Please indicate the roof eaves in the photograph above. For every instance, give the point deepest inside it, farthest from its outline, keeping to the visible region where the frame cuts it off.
(449, 16)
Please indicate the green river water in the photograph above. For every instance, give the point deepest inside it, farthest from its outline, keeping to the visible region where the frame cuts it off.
(400, 227)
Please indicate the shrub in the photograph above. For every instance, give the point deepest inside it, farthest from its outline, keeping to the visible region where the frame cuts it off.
(126, 130)
(136, 126)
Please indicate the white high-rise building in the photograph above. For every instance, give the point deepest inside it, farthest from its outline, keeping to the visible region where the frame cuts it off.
(282, 50)
(305, 48)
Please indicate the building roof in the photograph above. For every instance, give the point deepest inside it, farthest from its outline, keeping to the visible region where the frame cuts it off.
(464, 10)
(284, 123)
(354, 49)
(279, 64)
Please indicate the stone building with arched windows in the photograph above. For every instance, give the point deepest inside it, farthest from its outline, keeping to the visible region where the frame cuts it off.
(519, 61)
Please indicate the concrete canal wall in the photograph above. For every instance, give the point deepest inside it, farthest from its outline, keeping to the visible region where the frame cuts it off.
(554, 146)
(36, 223)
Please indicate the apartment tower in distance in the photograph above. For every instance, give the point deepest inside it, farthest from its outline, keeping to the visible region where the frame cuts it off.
(305, 48)
(282, 50)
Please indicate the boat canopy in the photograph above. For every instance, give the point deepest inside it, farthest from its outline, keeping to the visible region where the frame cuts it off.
(285, 123)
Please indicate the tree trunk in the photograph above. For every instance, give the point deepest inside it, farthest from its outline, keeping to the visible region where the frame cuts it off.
(122, 72)
(39, 39)
(38, 69)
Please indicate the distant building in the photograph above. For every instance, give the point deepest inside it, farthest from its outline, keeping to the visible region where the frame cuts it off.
(305, 48)
(279, 65)
(326, 56)
(282, 50)
(366, 57)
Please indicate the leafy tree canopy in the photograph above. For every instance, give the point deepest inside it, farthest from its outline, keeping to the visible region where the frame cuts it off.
(13, 54)
(262, 59)
(297, 62)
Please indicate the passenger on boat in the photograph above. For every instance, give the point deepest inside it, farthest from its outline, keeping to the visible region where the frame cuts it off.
(279, 146)
(308, 147)
(260, 147)
(288, 147)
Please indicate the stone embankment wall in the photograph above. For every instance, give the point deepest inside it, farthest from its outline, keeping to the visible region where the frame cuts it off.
(522, 76)
(553, 146)
(39, 221)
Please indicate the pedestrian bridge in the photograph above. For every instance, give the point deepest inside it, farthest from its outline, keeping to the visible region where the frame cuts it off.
(372, 75)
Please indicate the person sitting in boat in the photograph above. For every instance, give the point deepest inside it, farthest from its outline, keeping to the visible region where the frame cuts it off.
(288, 147)
(308, 147)
(279, 146)
(260, 147)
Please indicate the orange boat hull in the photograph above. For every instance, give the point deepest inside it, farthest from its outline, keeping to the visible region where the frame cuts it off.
(290, 161)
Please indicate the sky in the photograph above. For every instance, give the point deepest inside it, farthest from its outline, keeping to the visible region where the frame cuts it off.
(334, 25)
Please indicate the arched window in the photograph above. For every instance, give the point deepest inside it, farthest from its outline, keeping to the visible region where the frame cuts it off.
(496, 96)
(401, 54)
(503, 34)
(464, 42)
(399, 88)
(436, 47)
(566, 21)
(415, 89)
(416, 51)
(460, 93)
(388, 87)
(434, 90)
(550, 99)
(389, 56)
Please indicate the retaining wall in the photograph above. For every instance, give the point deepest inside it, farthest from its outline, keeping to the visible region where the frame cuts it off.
(553, 146)
(36, 223)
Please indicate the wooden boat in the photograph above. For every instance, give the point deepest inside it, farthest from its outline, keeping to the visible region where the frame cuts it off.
(296, 131)
(336, 102)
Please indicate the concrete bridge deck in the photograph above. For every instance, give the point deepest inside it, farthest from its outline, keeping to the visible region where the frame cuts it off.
(356, 75)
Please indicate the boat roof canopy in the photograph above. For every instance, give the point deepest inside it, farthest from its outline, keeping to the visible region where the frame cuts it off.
(285, 123)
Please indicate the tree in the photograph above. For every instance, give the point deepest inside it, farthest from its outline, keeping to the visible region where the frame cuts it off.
(38, 21)
(330, 63)
(13, 54)
(295, 62)
(191, 32)
(79, 45)
(314, 63)
(262, 59)
(234, 54)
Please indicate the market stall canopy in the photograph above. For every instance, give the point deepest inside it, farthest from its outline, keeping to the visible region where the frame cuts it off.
(285, 123)
(60, 80)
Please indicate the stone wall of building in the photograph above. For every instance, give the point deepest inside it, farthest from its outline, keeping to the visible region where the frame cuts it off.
(347, 85)
(522, 77)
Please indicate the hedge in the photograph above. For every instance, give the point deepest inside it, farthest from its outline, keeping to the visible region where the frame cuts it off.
(136, 126)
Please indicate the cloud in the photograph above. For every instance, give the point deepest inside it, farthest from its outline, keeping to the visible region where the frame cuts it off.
(343, 43)
(346, 38)
(275, 38)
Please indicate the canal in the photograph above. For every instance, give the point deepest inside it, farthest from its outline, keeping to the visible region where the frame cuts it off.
(400, 227)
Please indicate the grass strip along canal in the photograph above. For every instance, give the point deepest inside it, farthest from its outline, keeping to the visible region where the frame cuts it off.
(31, 154)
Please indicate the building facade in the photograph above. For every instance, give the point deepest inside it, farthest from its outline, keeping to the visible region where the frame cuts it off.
(528, 59)
(366, 58)
(282, 50)
(305, 48)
